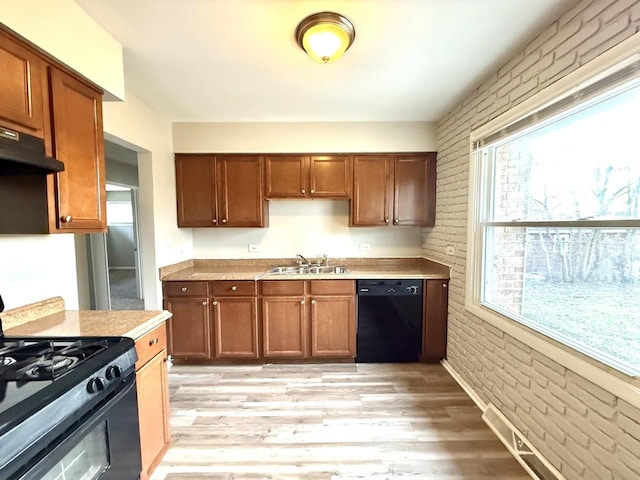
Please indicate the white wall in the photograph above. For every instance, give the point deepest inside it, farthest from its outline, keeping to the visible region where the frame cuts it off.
(35, 267)
(309, 227)
(320, 137)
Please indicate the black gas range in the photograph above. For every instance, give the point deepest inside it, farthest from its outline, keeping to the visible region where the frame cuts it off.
(68, 408)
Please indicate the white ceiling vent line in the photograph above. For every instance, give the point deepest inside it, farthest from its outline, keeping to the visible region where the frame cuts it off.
(531, 459)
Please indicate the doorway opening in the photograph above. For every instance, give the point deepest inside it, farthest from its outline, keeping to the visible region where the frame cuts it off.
(115, 257)
(123, 262)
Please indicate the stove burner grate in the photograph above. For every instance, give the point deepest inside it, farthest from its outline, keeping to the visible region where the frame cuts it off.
(23, 360)
(49, 367)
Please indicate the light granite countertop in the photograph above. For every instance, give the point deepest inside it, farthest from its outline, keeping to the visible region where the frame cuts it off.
(50, 318)
(358, 268)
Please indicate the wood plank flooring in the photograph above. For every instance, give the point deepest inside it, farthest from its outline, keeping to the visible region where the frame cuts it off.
(328, 422)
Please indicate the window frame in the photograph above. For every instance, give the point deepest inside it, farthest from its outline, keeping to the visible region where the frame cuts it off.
(621, 382)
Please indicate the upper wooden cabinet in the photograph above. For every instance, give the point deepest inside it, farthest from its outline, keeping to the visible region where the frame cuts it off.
(220, 191)
(394, 190)
(40, 97)
(22, 75)
(78, 195)
(302, 176)
(372, 190)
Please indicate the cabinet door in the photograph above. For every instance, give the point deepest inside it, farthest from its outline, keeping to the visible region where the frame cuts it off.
(284, 330)
(235, 327)
(153, 412)
(434, 333)
(195, 190)
(21, 92)
(333, 327)
(372, 190)
(239, 185)
(329, 176)
(78, 141)
(189, 332)
(286, 176)
(415, 190)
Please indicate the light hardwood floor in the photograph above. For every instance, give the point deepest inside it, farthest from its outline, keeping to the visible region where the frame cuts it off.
(328, 422)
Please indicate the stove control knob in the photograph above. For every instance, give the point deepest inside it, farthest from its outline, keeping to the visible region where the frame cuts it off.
(412, 289)
(113, 372)
(96, 384)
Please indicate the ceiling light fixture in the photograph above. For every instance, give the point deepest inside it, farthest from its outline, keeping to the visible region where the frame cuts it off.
(325, 36)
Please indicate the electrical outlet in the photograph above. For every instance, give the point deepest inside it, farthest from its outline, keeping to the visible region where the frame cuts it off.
(254, 248)
(364, 247)
(451, 250)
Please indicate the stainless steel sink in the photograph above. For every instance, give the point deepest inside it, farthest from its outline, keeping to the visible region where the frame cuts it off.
(307, 270)
(327, 269)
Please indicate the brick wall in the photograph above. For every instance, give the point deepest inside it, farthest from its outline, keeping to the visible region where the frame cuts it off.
(583, 430)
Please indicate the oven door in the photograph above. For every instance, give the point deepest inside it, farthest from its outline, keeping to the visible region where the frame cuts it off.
(105, 446)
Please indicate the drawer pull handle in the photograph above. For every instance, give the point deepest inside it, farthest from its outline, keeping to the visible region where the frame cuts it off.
(184, 289)
(153, 342)
(234, 288)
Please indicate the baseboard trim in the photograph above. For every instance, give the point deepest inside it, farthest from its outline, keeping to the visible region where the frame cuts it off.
(465, 386)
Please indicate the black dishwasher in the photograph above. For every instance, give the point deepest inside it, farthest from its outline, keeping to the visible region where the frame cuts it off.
(389, 321)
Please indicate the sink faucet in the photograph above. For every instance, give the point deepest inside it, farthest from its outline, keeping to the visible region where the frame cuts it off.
(304, 261)
(326, 259)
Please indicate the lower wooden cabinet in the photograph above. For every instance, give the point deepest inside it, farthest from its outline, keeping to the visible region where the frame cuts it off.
(284, 321)
(235, 327)
(434, 325)
(189, 328)
(333, 318)
(153, 398)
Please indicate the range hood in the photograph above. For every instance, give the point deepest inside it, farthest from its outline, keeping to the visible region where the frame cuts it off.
(22, 154)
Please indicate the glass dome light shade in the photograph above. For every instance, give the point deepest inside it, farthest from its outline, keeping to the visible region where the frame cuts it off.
(325, 36)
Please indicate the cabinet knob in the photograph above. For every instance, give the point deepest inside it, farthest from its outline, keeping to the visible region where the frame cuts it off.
(395, 221)
(153, 342)
(313, 191)
(204, 302)
(183, 289)
(303, 190)
(224, 220)
(66, 219)
(234, 288)
(313, 302)
(386, 220)
(214, 220)
(301, 302)
(444, 285)
(215, 303)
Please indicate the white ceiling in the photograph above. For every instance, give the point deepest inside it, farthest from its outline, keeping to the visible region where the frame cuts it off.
(237, 60)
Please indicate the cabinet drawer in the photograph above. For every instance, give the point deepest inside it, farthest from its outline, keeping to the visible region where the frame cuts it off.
(231, 288)
(332, 287)
(282, 287)
(150, 344)
(186, 289)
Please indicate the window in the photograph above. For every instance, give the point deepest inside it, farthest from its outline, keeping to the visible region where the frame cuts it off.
(556, 227)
